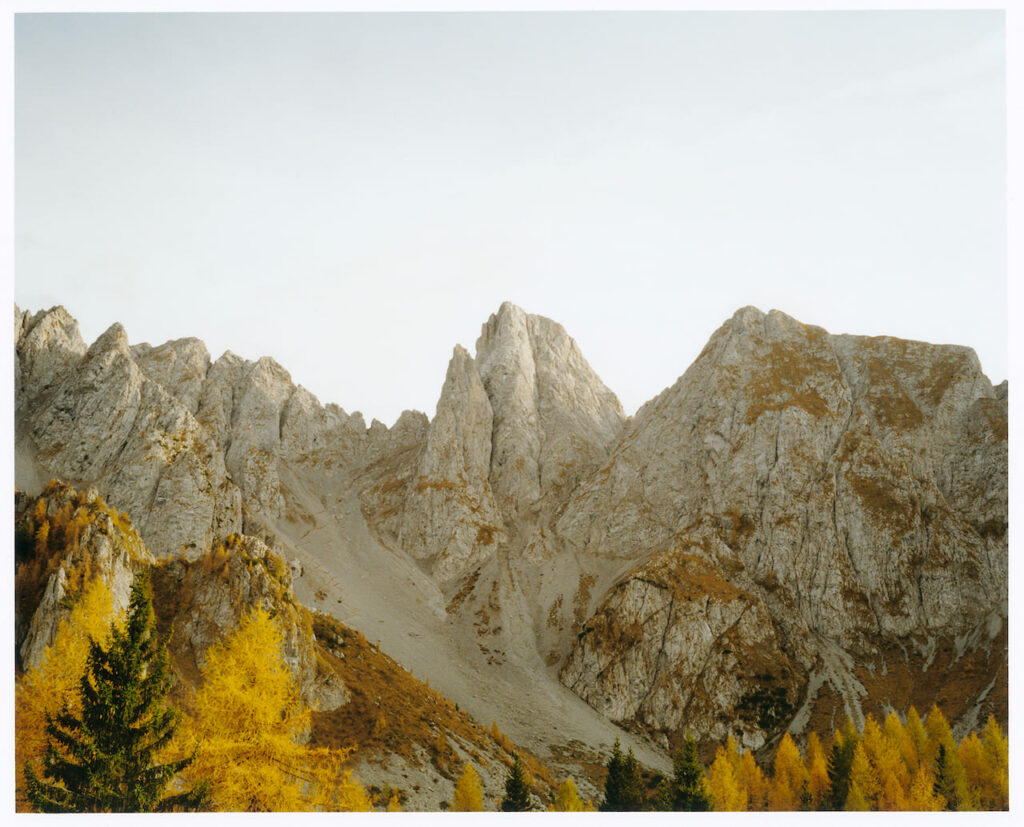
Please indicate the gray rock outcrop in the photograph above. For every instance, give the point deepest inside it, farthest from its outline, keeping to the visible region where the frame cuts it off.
(207, 597)
(87, 540)
(835, 479)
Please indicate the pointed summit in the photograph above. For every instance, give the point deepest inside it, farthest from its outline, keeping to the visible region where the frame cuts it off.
(554, 419)
(48, 345)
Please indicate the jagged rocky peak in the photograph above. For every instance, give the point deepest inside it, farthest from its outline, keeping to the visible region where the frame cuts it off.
(553, 417)
(514, 431)
(46, 346)
(449, 517)
(107, 423)
(180, 366)
(193, 448)
(459, 440)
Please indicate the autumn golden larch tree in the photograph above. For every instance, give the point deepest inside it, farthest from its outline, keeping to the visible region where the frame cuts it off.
(567, 799)
(996, 747)
(922, 796)
(789, 776)
(469, 794)
(249, 720)
(817, 770)
(753, 781)
(726, 792)
(863, 775)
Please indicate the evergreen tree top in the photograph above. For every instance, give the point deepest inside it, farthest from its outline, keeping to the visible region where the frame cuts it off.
(104, 760)
(517, 790)
(623, 788)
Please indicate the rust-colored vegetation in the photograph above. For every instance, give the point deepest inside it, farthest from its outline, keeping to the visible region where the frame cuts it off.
(390, 711)
(882, 503)
(48, 534)
(785, 380)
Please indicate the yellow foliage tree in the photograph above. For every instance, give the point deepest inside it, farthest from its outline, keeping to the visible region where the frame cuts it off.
(248, 720)
(863, 775)
(892, 797)
(726, 792)
(567, 799)
(469, 794)
(753, 781)
(394, 805)
(872, 739)
(855, 800)
(977, 773)
(789, 776)
(916, 739)
(892, 728)
(54, 681)
(42, 537)
(817, 770)
(328, 787)
(891, 770)
(922, 792)
(997, 751)
(937, 728)
(732, 753)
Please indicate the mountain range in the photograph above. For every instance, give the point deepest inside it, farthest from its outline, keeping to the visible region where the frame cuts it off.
(803, 526)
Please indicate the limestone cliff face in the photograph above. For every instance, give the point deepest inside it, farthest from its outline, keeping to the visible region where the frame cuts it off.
(553, 417)
(514, 431)
(46, 345)
(192, 448)
(449, 518)
(836, 481)
(102, 421)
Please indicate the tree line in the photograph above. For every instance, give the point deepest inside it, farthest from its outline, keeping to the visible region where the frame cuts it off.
(896, 765)
(95, 733)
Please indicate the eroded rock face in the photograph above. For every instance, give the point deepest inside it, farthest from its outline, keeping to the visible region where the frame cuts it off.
(837, 480)
(676, 642)
(192, 448)
(104, 422)
(553, 418)
(46, 346)
(86, 540)
(449, 519)
(515, 429)
(180, 367)
(204, 599)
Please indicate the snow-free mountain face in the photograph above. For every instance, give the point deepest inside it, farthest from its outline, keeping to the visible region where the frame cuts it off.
(803, 526)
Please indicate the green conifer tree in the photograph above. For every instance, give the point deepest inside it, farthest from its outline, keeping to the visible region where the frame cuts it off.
(840, 760)
(806, 798)
(945, 778)
(104, 760)
(686, 791)
(623, 790)
(517, 790)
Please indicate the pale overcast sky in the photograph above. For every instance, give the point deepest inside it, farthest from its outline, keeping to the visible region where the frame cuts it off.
(354, 194)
